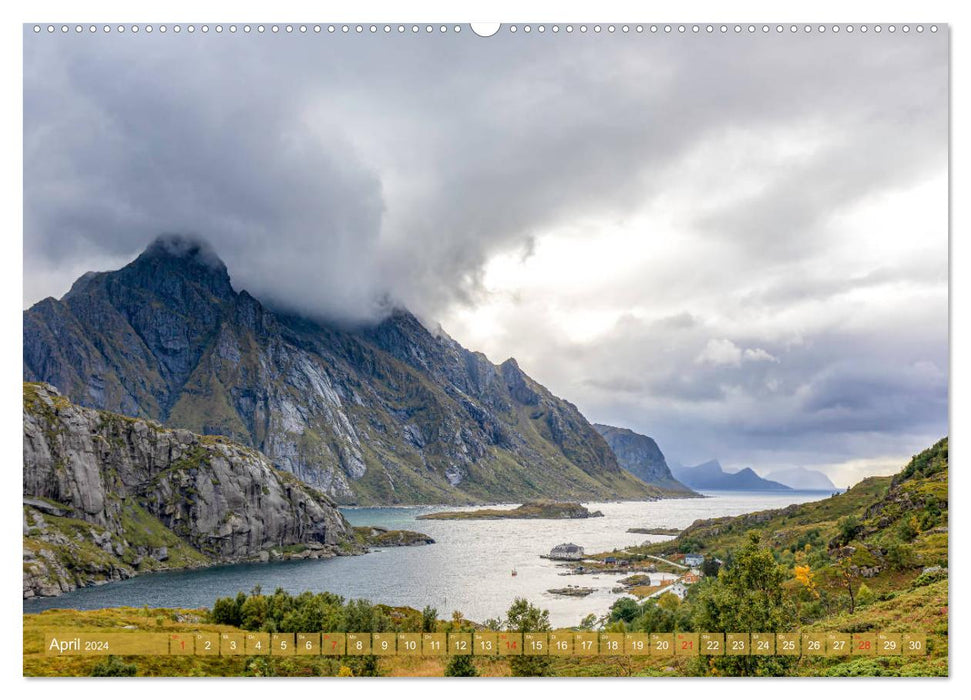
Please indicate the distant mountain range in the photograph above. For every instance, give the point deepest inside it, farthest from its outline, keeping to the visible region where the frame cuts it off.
(375, 414)
(640, 455)
(710, 476)
(803, 479)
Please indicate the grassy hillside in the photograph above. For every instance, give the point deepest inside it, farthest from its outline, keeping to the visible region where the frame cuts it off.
(891, 528)
(872, 559)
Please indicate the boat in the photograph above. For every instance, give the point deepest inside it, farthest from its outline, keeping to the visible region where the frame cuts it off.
(514, 572)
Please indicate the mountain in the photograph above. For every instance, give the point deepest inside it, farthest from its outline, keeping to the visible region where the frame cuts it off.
(640, 455)
(803, 479)
(710, 476)
(107, 497)
(374, 414)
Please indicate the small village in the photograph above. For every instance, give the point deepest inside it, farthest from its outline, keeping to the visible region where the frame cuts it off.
(673, 574)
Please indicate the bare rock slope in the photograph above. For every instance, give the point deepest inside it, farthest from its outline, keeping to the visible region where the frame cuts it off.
(107, 496)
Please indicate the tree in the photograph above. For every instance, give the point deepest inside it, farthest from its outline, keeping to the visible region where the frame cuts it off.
(458, 621)
(624, 609)
(847, 577)
(429, 619)
(710, 566)
(226, 611)
(253, 612)
(804, 574)
(525, 617)
(461, 666)
(363, 616)
(748, 597)
(588, 623)
(668, 602)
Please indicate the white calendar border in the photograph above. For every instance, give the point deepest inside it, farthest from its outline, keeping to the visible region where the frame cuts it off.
(842, 11)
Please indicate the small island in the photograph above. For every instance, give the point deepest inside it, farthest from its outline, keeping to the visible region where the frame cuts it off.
(672, 531)
(373, 536)
(530, 510)
(573, 591)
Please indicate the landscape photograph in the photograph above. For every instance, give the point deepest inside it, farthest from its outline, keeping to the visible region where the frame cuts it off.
(607, 350)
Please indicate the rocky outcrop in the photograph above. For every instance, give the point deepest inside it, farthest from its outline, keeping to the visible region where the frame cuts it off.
(640, 455)
(106, 497)
(374, 536)
(384, 413)
(531, 510)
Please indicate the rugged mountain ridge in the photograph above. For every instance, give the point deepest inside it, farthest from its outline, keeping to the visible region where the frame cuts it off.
(380, 414)
(107, 496)
(641, 456)
(711, 476)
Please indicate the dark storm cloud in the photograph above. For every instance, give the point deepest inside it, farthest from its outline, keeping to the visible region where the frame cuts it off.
(334, 172)
(330, 171)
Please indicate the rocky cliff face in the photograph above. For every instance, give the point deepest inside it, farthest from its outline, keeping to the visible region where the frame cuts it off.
(388, 413)
(106, 496)
(641, 456)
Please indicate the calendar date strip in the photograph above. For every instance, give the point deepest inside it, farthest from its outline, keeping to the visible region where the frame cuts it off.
(565, 643)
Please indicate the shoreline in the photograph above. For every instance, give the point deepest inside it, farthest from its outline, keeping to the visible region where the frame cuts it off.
(368, 539)
(201, 587)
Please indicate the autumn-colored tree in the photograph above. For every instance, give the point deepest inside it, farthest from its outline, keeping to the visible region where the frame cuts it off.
(458, 621)
(804, 575)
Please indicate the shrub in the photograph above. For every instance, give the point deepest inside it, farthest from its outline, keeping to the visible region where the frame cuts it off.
(865, 596)
(848, 528)
(929, 577)
(461, 666)
(901, 556)
(113, 666)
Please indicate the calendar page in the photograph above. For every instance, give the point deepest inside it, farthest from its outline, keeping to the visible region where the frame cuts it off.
(547, 349)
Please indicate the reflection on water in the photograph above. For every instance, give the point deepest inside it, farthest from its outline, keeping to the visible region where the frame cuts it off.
(468, 569)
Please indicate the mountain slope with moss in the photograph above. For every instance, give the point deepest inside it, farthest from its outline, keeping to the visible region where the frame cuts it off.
(887, 527)
(873, 559)
(383, 413)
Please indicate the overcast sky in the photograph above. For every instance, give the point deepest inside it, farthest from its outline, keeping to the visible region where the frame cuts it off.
(734, 244)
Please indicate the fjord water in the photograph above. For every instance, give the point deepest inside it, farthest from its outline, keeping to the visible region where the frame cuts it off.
(467, 569)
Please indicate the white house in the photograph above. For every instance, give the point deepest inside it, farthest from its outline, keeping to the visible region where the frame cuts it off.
(568, 551)
(679, 589)
(693, 560)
